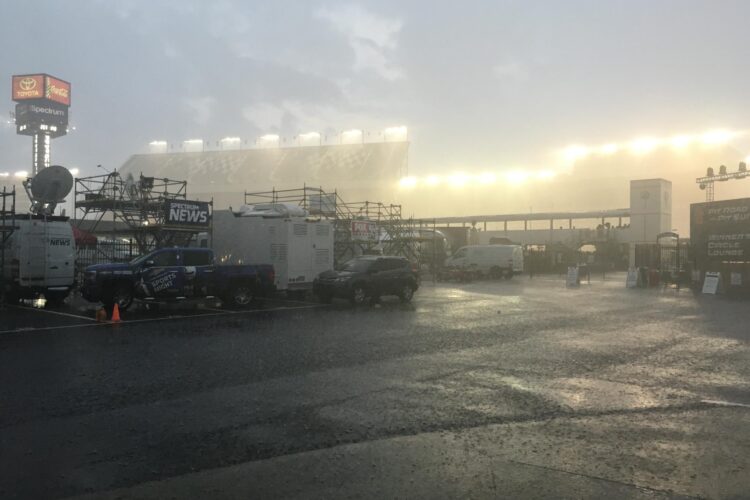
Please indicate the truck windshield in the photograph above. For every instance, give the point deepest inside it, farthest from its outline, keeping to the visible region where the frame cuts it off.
(357, 265)
(139, 260)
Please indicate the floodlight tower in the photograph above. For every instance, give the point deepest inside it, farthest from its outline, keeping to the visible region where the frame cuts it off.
(707, 183)
(42, 103)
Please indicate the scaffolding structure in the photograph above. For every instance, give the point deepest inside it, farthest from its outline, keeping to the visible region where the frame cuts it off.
(7, 226)
(137, 208)
(393, 234)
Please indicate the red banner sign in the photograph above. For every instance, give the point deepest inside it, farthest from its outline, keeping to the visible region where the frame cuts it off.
(40, 86)
(28, 87)
(57, 90)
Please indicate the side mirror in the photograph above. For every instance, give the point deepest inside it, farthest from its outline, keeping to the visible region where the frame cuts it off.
(149, 263)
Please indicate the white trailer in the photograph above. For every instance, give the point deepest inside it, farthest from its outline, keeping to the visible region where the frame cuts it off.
(40, 258)
(490, 260)
(299, 248)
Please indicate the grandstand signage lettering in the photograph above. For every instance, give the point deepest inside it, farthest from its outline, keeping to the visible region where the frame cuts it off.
(720, 231)
(188, 213)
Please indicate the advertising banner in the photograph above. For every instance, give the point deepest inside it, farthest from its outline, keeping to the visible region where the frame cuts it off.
(28, 113)
(720, 231)
(28, 87)
(364, 230)
(57, 90)
(188, 213)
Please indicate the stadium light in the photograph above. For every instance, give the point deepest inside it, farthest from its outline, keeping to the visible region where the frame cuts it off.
(433, 180)
(486, 178)
(575, 152)
(407, 182)
(230, 143)
(516, 177)
(545, 175)
(269, 140)
(4, 174)
(310, 139)
(399, 133)
(717, 137)
(193, 146)
(74, 171)
(22, 174)
(353, 136)
(608, 149)
(681, 141)
(644, 145)
(458, 179)
(158, 146)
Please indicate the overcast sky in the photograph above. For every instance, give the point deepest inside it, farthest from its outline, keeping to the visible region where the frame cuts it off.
(481, 85)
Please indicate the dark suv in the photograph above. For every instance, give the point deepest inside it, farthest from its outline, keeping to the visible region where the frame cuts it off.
(368, 277)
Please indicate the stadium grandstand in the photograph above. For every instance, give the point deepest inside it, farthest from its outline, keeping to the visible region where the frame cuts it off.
(358, 171)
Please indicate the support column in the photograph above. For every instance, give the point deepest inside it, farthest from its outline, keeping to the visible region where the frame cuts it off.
(40, 153)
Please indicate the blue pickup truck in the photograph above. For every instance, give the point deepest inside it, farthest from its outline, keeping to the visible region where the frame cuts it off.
(173, 274)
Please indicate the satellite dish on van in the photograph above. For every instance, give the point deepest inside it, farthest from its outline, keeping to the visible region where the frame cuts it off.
(51, 185)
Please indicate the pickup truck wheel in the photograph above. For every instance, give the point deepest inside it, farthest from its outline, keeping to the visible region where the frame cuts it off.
(407, 292)
(122, 295)
(241, 295)
(359, 295)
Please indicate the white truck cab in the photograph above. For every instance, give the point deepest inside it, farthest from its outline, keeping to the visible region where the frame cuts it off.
(490, 260)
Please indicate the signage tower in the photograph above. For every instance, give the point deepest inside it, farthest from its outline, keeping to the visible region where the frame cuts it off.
(42, 103)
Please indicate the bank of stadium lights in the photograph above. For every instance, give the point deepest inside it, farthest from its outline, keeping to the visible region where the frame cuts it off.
(354, 136)
(395, 134)
(21, 174)
(230, 143)
(707, 183)
(4, 174)
(645, 145)
(158, 146)
(310, 139)
(461, 179)
(193, 146)
(268, 141)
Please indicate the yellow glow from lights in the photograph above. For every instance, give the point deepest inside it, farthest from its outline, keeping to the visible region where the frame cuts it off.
(433, 180)
(310, 135)
(573, 153)
(644, 145)
(545, 175)
(717, 137)
(486, 178)
(230, 140)
(4, 174)
(407, 182)
(458, 179)
(22, 174)
(516, 176)
(681, 141)
(609, 149)
(399, 133)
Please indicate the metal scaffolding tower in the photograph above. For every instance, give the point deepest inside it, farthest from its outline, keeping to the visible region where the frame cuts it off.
(136, 208)
(7, 226)
(393, 234)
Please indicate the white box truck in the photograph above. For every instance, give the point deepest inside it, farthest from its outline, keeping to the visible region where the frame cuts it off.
(299, 248)
(39, 258)
(494, 261)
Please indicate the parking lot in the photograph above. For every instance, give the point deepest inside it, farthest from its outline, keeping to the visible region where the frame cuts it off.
(485, 389)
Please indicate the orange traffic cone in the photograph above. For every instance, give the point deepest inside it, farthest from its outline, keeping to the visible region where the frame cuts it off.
(101, 315)
(116, 314)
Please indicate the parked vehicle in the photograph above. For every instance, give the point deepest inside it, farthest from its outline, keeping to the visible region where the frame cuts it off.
(39, 258)
(173, 274)
(495, 261)
(368, 277)
(299, 248)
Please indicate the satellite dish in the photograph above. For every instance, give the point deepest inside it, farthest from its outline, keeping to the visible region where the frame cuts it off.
(52, 184)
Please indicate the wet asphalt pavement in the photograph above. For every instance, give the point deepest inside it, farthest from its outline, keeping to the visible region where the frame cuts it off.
(482, 390)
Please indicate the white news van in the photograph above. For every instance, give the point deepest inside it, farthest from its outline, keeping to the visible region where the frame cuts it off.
(40, 258)
(299, 248)
(491, 260)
